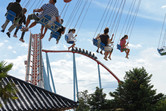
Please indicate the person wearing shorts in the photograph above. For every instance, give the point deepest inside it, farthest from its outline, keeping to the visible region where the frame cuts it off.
(124, 45)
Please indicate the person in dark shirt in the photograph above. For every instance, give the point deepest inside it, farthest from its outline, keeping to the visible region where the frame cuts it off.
(17, 23)
(15, 7)
(105, 40)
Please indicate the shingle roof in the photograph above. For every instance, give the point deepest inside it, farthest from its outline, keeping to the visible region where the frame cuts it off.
(31, 97)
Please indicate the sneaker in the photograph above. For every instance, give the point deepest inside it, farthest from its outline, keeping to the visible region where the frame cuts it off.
(2, 30)
(101, 52)
(109, 58)
(8, 34)
(97, 51)
(127, 57)
(15, 35)
(21, 40)
(105, 58)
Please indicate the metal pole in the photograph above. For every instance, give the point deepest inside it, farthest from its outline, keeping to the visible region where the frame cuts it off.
(74, 77)
(75, 83)
(29, 60)
(45, 79)
(99, 76)
(51, 75)
(48, 77)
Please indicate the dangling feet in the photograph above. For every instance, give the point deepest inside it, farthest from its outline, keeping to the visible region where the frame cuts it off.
(15, 35)
(8, 34)
(127, 57)
(21, 40)
(106, 58)
(2, 30)
(109, 57)
(101, 52)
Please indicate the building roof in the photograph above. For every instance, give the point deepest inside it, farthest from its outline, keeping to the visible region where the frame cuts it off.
(31, 97)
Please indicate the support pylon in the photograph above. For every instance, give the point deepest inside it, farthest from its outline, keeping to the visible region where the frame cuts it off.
(34, 64)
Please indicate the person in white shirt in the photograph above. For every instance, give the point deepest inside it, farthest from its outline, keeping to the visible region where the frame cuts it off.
(71, 38)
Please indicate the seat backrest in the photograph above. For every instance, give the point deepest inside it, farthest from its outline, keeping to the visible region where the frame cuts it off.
(55, 26)
(55, 35)
(44, 20)
(95, 41)
(102, 45)
(161, 52)
(10, 15)
(119, 47)
(66, 38)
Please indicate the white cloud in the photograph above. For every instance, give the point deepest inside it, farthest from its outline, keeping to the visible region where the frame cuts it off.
(1, 44)
(6, 41)
(24, 45)
(10, 47)
(135, 46)
(14, 52)
(18, 69)
(164, 6)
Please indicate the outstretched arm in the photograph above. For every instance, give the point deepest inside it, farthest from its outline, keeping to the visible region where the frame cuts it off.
(37, 10)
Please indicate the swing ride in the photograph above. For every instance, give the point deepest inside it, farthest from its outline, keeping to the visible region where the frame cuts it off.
(162, 41)
(35, 71)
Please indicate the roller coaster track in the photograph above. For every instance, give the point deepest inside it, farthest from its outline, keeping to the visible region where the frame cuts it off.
(97, 61)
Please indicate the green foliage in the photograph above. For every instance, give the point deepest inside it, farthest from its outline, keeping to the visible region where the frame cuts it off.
(6, 90)
(136, 93)
(97, 101)
(83, 101)
(161, 105)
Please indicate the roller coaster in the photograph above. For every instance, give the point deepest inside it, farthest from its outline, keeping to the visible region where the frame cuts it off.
(35, 70)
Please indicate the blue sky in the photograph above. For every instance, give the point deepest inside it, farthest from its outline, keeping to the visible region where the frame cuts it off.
(143, 45)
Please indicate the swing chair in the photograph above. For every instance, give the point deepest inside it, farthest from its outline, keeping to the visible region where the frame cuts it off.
(95, 43)
(53, 27)
(162, 51)
(162, 44)
(129, 21)
(10, 15)
(73, 16)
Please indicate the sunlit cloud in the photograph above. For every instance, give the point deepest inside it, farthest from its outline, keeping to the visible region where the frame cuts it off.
(1, 44)
(164, 6)
(10, 47)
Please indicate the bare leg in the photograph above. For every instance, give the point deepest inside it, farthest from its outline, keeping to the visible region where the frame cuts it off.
(32, 25)
(28, 21)
(5, 24)
(110, 55)
(106, 54)
(127, 53)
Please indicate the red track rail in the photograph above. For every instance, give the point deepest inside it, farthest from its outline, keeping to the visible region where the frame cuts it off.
(98, 62)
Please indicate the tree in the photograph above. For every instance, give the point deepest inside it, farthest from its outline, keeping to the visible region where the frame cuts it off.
(83, 101)
(6, 90)
(97, 101)
(161, 105)
(136, 93)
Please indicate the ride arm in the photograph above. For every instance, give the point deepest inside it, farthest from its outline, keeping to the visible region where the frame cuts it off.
(110, 40)
(98, 36)
(37, 10)
(126, 44)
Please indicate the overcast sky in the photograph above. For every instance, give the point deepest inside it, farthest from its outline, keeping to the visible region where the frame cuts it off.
(143, 45)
